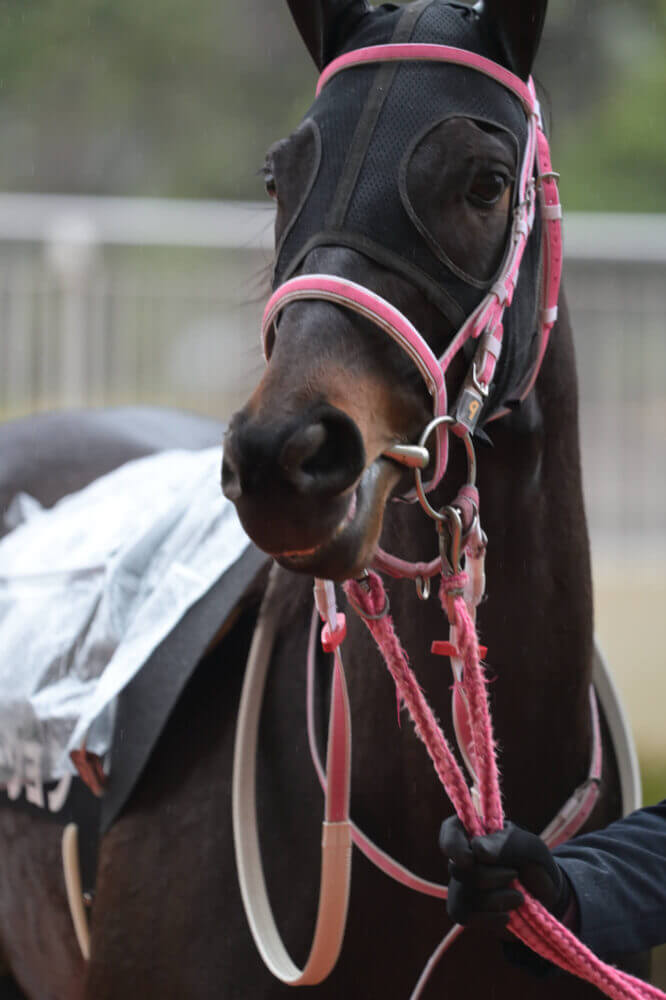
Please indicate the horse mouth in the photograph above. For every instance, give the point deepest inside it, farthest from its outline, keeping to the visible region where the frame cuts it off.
(352, 544)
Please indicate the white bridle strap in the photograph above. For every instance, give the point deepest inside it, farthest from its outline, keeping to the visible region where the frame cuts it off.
(578, 808)
(336, 831)
(552, 250)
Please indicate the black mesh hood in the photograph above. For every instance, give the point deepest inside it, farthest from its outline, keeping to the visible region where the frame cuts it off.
(367, 119)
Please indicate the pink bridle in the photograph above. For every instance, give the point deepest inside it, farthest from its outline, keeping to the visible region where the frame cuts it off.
(532, 923)
(485, 323)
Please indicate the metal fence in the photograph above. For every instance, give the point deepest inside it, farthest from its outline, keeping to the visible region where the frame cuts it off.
(106, 301)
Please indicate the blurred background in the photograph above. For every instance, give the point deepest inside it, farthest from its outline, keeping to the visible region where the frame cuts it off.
(135, 243)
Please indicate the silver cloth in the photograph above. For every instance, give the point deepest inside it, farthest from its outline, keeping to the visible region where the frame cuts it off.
(89, 588)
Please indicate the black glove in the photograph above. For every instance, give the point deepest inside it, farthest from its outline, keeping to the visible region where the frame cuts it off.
(481, 870)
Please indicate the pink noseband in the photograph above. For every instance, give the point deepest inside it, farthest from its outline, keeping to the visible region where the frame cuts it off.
(361, 300)
(485, 323)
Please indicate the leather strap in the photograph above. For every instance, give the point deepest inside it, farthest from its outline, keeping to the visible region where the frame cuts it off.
(425, 52)
(621, 735)
(336, 830)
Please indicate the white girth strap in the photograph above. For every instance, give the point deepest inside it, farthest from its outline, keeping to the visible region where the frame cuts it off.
(72, 873)
(336, 830)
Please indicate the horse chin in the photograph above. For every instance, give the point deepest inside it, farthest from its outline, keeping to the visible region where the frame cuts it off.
(351, 548)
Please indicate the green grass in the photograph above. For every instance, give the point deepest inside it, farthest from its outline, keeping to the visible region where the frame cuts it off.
(612, 159)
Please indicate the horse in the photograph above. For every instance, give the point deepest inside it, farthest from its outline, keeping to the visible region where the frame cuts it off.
(314, 465)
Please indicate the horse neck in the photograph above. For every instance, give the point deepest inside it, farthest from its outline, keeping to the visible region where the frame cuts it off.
(537, 619)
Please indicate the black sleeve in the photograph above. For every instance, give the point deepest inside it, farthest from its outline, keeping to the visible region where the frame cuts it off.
(619, 877)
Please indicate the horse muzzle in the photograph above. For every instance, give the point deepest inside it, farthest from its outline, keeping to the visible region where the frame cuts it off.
(293, 480)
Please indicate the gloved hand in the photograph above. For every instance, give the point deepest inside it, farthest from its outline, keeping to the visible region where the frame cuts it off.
(482, 869)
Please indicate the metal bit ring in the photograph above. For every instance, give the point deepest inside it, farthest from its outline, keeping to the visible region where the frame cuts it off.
(418, 474)
(371, 618)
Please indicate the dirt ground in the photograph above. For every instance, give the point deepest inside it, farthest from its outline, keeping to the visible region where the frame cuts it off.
(630, 605)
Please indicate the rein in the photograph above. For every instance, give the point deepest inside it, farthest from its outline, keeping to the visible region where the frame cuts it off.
(478, 806)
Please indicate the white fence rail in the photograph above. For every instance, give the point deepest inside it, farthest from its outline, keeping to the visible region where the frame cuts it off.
(110, 300)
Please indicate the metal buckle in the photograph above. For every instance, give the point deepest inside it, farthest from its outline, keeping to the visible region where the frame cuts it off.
(527, 202)
(483, 390)
(523, 214)
(547, 175)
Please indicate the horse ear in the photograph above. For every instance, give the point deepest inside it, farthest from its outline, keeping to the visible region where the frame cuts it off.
(518, 25)
(325, 24)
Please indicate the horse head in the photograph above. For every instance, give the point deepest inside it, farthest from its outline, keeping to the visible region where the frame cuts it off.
(403, 178)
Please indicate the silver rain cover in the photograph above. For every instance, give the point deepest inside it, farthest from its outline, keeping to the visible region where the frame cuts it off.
(89, 588)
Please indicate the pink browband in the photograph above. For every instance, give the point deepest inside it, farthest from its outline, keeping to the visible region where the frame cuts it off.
(423, 52)
(485, 322)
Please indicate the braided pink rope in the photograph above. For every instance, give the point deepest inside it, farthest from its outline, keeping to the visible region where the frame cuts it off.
(531, 922)
(474, 685)
(372, 601)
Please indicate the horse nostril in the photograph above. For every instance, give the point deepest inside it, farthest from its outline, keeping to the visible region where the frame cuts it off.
(324, 457)
(302, 447)
(231, 485)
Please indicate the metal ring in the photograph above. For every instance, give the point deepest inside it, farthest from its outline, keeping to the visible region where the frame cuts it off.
(371, 618)
(422, 587)
(451, 516)
(471, 464)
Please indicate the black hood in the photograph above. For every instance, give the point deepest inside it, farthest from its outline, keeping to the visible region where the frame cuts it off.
(368, 120)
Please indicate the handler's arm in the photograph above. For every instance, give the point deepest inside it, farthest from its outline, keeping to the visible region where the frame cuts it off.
(608, 886)
(618, 876)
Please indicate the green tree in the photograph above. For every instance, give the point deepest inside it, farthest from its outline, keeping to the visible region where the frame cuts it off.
(162, 98)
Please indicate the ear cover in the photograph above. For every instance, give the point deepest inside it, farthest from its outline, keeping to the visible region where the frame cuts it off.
(517, 26)
(325, 24)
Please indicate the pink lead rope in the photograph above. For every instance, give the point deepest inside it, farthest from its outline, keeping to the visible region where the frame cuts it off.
(531, 922)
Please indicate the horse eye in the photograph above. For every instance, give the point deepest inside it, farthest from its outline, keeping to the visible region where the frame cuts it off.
(271, 186)
(487, 189)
